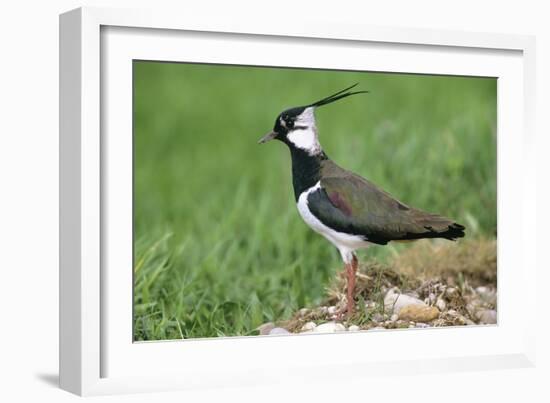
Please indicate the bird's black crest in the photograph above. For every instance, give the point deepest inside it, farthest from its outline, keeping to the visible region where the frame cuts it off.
(337, 96)
(293, 112)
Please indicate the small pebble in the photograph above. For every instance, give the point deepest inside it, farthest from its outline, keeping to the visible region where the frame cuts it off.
(488, 295)
(354, 328)
(330, 327)
(441, 304)
(331, 310)
(461, 320)
(451, 292)
(487, 316)
(418, 313)
(394, 317)
(377, 317)
(473, 307)
(396, 301)
(308, 327)
(266, 328)
(422, 325)
(278, 330)
(482, 290)
(304, 312)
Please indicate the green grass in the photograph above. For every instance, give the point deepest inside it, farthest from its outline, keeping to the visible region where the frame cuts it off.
(219, 245)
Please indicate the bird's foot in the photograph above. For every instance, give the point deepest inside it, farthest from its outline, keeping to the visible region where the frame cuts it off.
(341, 314)
(345, 311)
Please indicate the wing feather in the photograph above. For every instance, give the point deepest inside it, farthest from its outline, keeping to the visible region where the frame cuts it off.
(351, 204)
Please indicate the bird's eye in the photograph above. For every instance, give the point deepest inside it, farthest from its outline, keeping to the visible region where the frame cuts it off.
(286, 121)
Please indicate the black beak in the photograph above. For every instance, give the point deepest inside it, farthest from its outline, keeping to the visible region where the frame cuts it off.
(269, 136)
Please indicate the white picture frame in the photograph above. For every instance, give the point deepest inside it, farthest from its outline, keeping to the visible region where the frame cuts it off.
(97, 355)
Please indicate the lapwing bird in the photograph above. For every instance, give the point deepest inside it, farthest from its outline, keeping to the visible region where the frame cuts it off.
(348, 210)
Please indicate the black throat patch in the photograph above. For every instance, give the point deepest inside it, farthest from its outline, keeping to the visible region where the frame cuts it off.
(306, 169)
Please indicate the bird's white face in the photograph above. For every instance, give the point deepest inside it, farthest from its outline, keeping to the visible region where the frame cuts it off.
(303, 135)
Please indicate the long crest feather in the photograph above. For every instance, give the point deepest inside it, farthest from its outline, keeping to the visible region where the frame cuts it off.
(337, 96)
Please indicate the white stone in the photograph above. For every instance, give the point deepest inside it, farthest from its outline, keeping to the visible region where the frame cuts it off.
(451, 292)
(278, 330)
(266, 328)
(482, 290)
(329, 327)
(354, 328)
(394, 317)
(308, 327)
(441, 304)
(377, 317)
(488, 295)
(331, 310)
(394, 301)
(487, 316)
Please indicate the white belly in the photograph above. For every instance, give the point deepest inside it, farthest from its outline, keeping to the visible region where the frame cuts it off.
(345, 243)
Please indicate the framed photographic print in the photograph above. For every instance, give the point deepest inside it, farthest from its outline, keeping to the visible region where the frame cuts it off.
(196, 251)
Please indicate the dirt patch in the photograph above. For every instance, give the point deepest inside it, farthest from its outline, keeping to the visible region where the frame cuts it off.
(474, 260)
(458, 278)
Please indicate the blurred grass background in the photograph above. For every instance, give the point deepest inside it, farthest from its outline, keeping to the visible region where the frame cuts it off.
(219, 245)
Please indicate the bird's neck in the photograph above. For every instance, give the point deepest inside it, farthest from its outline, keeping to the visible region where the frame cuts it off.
(306, 169)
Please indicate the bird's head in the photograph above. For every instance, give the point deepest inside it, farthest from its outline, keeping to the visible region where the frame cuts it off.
(296, 126)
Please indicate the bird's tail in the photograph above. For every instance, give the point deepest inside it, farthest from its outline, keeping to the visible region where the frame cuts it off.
(441, 227)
